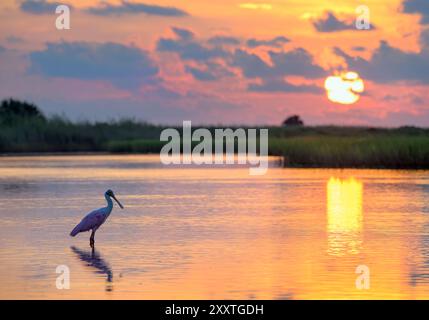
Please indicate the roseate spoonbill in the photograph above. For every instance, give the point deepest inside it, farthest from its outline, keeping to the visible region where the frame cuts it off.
(96, 218)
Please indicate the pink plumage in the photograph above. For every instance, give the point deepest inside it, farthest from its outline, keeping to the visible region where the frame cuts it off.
(93, 220)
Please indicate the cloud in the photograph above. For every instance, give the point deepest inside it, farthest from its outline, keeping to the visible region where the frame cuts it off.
(424, 38)
(188, 48)
(126, 7)
(406, 98)
(14, 39)
(279, 85)
(189, 51)
(330, 23)
(210, 72)
(389, 64)
(251, 64)
(125, 67)
(419, 7)
(389, 98)
(416, 100)
(204, 58)
(359, 48)
(183, 34)
(223, 41)
(40, 6)
(297, 62)
(199, 74)
(212, 61)
(276, 42)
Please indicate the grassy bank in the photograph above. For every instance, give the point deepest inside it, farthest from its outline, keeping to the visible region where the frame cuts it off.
(352, 147)
(60, 135)
(301, 146)
(353, 152)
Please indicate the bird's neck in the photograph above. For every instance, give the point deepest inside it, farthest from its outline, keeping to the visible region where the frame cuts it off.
(109, 203)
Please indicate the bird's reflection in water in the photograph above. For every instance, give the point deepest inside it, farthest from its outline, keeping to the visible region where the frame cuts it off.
(93, 259)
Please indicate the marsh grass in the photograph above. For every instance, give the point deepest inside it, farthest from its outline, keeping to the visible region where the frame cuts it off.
(373, 151)
(61, 135)
(328, 146)
(351, 147)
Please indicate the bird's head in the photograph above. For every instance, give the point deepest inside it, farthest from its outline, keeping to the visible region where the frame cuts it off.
(112, 195)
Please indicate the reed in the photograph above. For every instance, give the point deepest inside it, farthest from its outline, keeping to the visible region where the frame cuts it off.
(327, 146)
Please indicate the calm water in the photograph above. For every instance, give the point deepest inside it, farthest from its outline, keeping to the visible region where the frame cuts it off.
(204, 233)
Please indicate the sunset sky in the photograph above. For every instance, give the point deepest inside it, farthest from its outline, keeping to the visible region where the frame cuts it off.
(217, 62)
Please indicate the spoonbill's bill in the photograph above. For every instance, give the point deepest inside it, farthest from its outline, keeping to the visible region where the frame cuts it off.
(96, 218)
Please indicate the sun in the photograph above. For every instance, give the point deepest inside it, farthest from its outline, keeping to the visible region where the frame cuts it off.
(344, 88)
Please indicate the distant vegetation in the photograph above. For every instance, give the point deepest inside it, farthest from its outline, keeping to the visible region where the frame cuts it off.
(24, 129)
(350, 147)
(293, 121)
(12, 110)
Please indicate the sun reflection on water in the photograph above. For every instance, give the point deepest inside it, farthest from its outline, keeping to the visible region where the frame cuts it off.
(344, 216)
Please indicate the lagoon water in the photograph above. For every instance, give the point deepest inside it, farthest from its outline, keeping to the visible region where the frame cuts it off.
(211, 233)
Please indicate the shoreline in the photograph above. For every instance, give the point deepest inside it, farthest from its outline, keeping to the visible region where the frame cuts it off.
(281, 160)
(53, 153)
(405, 148)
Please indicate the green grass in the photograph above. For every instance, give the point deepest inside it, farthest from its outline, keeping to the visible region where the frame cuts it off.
(134, 146)
(327, 146)
(60, 135)
(371, 151)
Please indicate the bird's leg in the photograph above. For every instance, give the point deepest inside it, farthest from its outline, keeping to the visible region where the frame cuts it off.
(91, 239)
